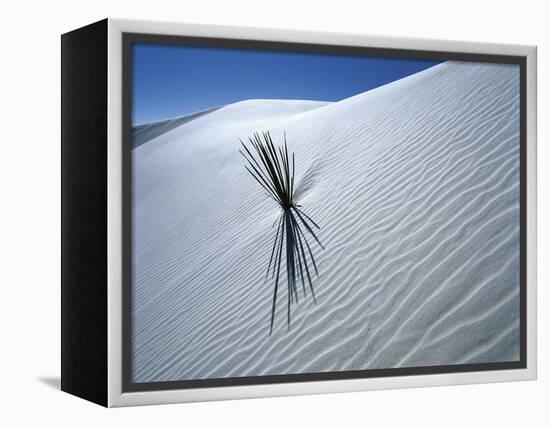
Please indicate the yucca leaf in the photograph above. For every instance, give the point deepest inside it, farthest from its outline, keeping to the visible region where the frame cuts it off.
(273, 169)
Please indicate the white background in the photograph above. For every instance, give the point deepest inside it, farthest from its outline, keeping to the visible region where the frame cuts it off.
(30, 210)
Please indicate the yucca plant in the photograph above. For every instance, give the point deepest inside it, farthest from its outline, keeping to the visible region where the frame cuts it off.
(274, 170)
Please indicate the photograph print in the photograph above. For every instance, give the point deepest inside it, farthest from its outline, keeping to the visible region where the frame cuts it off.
(311, 215)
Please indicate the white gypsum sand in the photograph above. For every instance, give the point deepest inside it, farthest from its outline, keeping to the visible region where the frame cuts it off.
(415, 186)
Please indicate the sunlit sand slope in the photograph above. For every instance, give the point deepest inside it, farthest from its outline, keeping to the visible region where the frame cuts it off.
(416, 188)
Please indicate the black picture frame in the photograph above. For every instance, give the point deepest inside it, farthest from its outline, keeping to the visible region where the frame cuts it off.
(96, 212)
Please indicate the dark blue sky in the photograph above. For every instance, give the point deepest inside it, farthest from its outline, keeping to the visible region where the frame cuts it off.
(176, 80)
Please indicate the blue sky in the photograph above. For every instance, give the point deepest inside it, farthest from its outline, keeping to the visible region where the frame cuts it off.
(169, 81)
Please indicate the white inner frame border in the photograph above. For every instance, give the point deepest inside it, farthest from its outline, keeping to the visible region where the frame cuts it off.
(116, 397)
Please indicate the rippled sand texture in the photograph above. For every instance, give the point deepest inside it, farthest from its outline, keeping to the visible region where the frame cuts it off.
(416, 188)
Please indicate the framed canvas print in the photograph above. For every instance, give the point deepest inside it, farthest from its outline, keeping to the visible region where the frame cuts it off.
(251, 212)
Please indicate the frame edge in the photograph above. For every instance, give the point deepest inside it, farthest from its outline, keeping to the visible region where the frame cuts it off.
(117, 398)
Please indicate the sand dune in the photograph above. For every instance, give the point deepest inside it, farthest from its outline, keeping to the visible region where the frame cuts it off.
(415, 187)
(145, 132)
